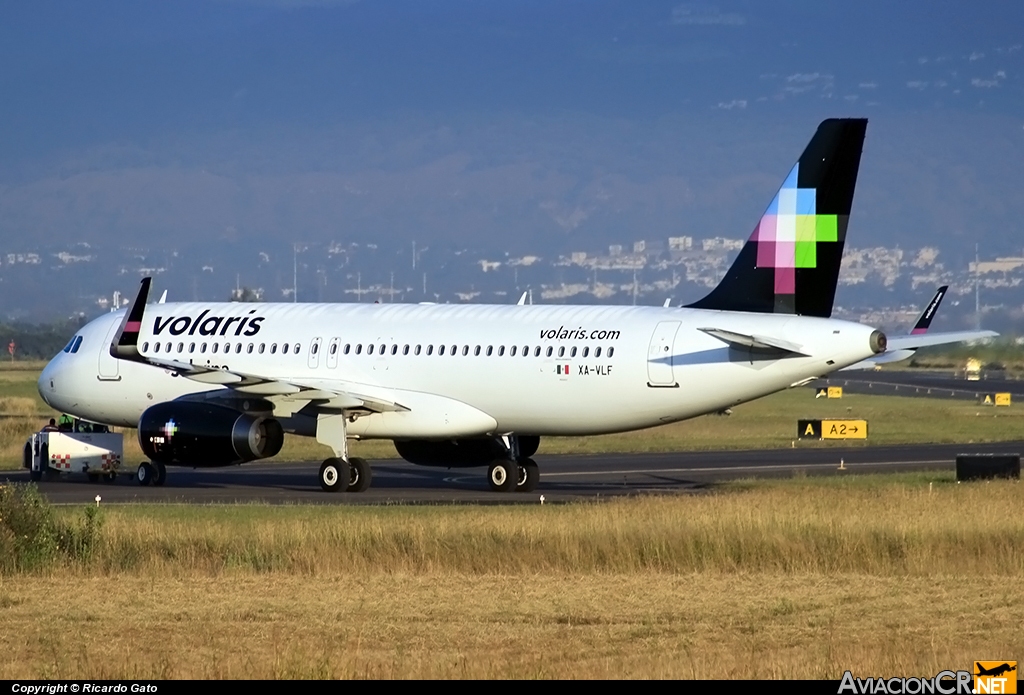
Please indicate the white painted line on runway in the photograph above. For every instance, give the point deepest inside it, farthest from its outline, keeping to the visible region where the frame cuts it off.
(724, 469)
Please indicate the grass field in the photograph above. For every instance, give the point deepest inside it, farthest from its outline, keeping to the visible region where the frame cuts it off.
(801, 578)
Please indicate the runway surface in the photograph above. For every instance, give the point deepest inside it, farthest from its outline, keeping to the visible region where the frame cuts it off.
(563, 478)
(923, 383)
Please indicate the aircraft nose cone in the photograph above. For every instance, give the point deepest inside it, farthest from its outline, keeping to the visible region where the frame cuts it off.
(47, 383)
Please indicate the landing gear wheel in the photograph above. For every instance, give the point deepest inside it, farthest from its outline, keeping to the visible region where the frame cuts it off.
(529, 475)
(503, 475)
(93, 477)
(145, 474)
(333, 472)
(110, 477)
(161, 473)
(359, 475)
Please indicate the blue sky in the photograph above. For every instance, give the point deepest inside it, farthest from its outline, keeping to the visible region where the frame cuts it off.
(572, 124)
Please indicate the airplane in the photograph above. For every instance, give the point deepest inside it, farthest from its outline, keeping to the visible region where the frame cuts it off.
(217, 384)
(898, 350)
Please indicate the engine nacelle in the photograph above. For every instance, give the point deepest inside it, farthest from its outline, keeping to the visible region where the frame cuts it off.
(460, 453)
(207, 435)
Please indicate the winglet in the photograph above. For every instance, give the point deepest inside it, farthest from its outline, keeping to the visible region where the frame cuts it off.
(929, 313)
(125, 345)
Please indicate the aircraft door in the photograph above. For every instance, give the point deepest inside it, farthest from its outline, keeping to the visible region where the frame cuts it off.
(332, 353)
(659, 355)
(314, 353)
(108, 368)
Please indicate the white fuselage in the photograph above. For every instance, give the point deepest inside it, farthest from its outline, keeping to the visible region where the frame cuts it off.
(654, 365)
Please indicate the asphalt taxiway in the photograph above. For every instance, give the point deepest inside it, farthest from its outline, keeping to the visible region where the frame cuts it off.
(924, 384)
(563, 478)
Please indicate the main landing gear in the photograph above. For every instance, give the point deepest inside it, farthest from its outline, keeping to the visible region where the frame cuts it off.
(515, 470)
(340, 473)
(353, 475)
(151, 473)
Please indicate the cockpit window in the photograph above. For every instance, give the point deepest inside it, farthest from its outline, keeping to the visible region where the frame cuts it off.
(67, 348)
(77, 344)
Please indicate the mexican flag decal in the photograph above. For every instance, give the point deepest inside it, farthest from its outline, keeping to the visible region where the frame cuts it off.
(562, 369)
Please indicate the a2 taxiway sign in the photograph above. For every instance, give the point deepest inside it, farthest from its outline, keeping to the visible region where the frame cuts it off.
(832, 429)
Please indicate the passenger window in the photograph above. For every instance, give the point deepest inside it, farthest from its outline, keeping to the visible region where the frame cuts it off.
(453, 350)
(298, 349)
(262, 346)
(213, 348)
(476, 351)
(181, 347)
(597, 352)
(501, 351)
(156, 347)
(359, 349)
(489, 350)
(238, 348)
(249, 348)
(227, 347)
(561, 351)
(586, 351)
(334, 348)
(347, 348)
(440, 349)
(405, 350)
(550, 350)
(202, 348)
(394, 349)
(536, 351)
(512, 351)
(314, 348)
(417, 350)
(381, 350)
(273, 348)
(145, 347)
(430, 349)
(369, 349)
(284, 348)
(611, 351)
(191, 347)
(572, 352)
(167, 348)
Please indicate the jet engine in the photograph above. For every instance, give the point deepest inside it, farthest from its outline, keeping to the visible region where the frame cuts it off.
(460, 453)
(206, 434)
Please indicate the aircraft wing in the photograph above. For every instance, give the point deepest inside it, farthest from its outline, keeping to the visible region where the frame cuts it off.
(912, 342)
(904, 346)
(333, 395)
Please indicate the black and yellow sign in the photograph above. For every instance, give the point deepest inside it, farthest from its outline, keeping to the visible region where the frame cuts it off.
(995, 677)
(995, 399)
(832, 429)
(829, 392)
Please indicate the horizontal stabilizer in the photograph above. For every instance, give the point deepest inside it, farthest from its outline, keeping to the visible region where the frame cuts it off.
(755, 342)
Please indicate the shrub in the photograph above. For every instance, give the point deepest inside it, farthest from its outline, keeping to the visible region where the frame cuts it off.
(32, 536)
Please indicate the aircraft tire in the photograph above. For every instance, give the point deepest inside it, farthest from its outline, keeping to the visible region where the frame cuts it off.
(332, 472)
(359, 475)
(529, 475)
(110, 477)
(161, 474)
(503, 475)
(93, 477)
(145, 474)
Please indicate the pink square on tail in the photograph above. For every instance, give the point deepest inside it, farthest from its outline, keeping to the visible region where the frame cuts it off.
(785, 281)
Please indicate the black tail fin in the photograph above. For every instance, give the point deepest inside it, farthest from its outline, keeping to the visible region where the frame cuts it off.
(790, 264)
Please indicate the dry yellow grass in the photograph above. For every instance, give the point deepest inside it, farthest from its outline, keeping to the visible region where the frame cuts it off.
(657, 625)
(803, 578)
